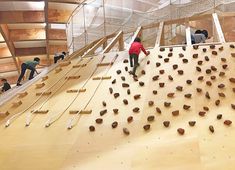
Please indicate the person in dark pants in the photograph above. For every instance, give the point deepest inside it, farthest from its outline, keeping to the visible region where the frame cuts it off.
(6, 85)
(31, 65)
(134, 52)
(59, 56)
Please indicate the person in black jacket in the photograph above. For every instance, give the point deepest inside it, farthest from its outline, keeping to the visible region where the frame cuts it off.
(6, 85)
(59, 56)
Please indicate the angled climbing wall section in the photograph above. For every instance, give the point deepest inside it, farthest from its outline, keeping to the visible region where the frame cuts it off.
(91, 114)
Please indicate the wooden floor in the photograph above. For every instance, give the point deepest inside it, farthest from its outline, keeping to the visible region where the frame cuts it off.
(59, 140)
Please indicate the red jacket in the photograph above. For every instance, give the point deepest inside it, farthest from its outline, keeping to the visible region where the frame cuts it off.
(136, 47)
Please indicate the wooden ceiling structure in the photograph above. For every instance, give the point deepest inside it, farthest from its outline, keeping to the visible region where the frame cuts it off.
(30, 28)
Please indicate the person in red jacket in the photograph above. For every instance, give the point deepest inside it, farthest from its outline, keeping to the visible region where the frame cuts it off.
(134, 52)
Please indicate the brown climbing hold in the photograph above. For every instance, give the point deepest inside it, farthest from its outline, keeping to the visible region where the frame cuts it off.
(211, 128)
(231, 46)
(200, 78)
(221, 74)
(189, 81)
(234, 90)
(170, 95)
(162, 49)
(179, 88)
(184, 48)
(125, 101)
(175, 66)
(125, 85)
(207, 95)
(195, 47)
(175, 113)
(195, 55)
(233, 106)
(208, 83)
(227, 122)
(155, 77)
(158, 110)
(126, 131)
(126, 68)
(181, 55)
(143, 72)
(185, 60)
(151, 103)
(148, 62)
(217, 102)
(224, 66)
(233, 54)
(186, 107)
(212, 46)
(170, 54)
(99, 120)
(104, 103)
(150, 118)
(118, 71)
(116, 95)
(221, 48)
(146, 127)
(161, 71)
(128, 91)
(161, 84)
(137, 96)
(213, 77)
(114, 81)
(154, 92)
(180, 72)
(223, 59)
(208, 71)
(198, 69)
(199, 90)
(192, 123)
(136, 109)
(188, 95)
(166, 60)
(110, 90)
(129, 119)
(221, 86)
(204, 50)
(170, 49)
(207, 58)
(123, 78)
(141, 83)
(125, 61)
(213, 68)
(159, 56)
(214, 52)
(206, 108)
(158, 64)
(170, 77)
(200, 62)
(166, 123)
(219, 116)
(92, 128)
(103, 112)
(114, 124)
(115, 111)
(167, 104)
(180, 131)
(232, 80)
(201, 113)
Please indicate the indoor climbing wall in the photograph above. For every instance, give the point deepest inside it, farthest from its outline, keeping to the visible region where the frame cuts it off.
(91, 114)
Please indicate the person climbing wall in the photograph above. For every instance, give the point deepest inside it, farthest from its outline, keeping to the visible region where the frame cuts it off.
(134, 52)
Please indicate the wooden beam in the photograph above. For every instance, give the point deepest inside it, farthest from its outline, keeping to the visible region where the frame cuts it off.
(47, 32)
(58, 15)
(97, 45)
(30, 51)
(57, 34)
(188, 33)
(113, 42)
(12, 17)
(6, 35)
(159, 34)
(27, 34)
(218, 28)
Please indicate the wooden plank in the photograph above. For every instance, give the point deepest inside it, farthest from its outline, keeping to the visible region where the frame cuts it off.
(159, 34)
(188, 36)
(218, 28)
(47, 32)
(30, 51)
(97, 45)
(113, 42)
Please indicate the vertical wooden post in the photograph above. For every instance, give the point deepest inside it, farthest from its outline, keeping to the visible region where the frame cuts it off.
(218, 30)
(188, 33)
(159, 35)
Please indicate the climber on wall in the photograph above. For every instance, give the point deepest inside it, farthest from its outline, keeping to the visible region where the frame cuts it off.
(28, 65)
(199, 36)
(59, 56)
(134, 52)
(6, 86)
